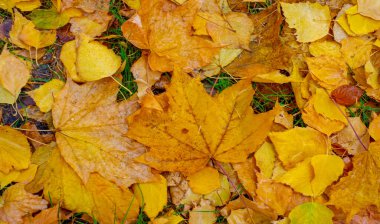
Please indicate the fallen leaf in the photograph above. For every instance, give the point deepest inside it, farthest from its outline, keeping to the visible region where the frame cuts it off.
(374, 128)
(325, 48)
(169, 218)
(144, 76)
(360, 25)
(14, 149)
(47, 216)
(265, 158)
(203, 214)
(43, 96)
(16, 203)
(297, 144)
(311, 20)
(90, 61)
(90, 132)
(356, 51)
(23, 5)
(220, 196)
(151, 196)
(18, 176)
(360, 188)
(246, 175)
(204, 181)
(311, 212)
(51, 18)
(14, 74)
(185, 137)
(133, 4)
(369, 8)
(312, 176)
(346, 95)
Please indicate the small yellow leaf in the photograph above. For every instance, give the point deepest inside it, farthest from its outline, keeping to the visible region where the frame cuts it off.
(374, 128)
(265, 157)
(311, 213)
(14, 150)
(356, 51)
(152, 196)
(220, 196)
(312, 176)
(297, 144)
(325, 106)
(204, 181)
(18, 176)
(133, 4)
(327, 48)
(169, 218)
(246, 174)
(43, 96)
(359, 24)
(311, 20)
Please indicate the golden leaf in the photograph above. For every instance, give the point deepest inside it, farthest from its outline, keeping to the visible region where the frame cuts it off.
(356, 51)
(14, 74)
(90, 132)
(152, 196)
(43, 96)
(14, 150)
(185, 137)
(360, 189)
(265, 158)
(327, 48)
(359, 24)
(99, 197)
(246, 174)
(312, 176)
(297, 144)
(204, 181)
(311, 20)
(15, 203)
(374, 128)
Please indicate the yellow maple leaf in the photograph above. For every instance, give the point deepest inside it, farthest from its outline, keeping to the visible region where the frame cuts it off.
(89, 61)
(16, 203)
(297, 144)
(99, 197)
(312, 176)
(311, 213)
(185, 136)
(152, 196)
(43, 95)
(204, 181)
(14, 150)
(90, 132)
(14, 74)
(360, 189)
(311, 20)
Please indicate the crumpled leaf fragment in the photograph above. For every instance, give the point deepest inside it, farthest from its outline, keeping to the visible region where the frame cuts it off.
(90, 144)
(311, 20)
(312, 176)
(374, 128)
(348, 138)
(204, 181)
(43, 95)
(14, 150)
(98, 197)
(297, 144)
(311, 212)
(356, 51)
(184, 136)
(168, 35)
(144, 76)
(369, 8)
(25, 35)
(14, 74)
(323, 114)
(363, 180)
(89, 61)
(152, 196)
(16, 203)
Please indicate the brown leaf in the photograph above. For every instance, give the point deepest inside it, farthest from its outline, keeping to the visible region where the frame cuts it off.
(347, 95)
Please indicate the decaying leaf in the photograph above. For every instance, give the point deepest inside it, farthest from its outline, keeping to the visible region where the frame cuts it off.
(185, 137)
(14, 74)
(16, 203)
(311, 212)
(203, 214)
(360, 189)
(346, 95)
(43, 96)
(311, 20)
(152, 196)
(91, 128)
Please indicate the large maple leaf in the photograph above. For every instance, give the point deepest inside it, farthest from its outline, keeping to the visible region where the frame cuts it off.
(91, 129)
(195, 127)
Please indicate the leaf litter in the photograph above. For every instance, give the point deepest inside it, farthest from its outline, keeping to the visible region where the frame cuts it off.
(167, 111)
